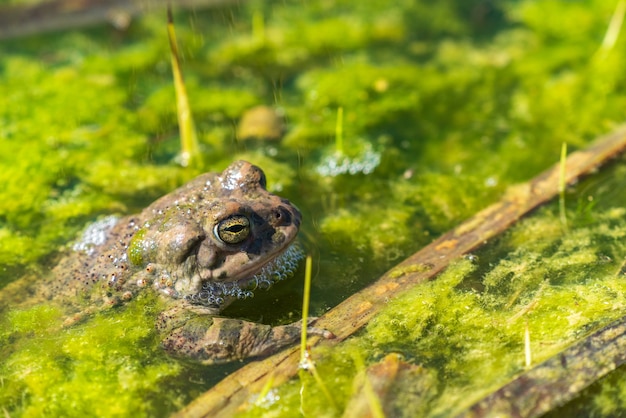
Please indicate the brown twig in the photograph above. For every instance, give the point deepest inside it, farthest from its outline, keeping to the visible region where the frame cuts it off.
(56, 15)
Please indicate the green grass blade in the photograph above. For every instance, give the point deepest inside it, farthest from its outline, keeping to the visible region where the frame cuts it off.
(190, 150)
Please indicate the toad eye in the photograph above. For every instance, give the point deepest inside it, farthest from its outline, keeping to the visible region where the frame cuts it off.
(232, 230)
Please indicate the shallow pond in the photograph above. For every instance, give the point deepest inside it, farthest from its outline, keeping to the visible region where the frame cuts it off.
(444, 106)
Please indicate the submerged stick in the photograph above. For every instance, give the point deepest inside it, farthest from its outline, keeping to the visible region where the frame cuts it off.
(56, 15)
(345, 319)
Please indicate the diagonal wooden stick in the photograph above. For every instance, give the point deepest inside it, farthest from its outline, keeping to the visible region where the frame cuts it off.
(352, 314)
(59, 15)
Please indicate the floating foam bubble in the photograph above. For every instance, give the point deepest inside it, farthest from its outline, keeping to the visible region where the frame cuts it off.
(95, 234)
(336, 164)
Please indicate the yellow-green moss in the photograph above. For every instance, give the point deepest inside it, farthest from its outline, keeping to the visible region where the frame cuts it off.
(95, 368)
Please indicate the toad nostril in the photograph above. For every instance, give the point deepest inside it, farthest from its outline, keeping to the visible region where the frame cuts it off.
(282, 216)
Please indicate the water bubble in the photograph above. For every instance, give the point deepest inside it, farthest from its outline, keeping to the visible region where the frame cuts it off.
(215, 294)
(336, 164)
(95, 235)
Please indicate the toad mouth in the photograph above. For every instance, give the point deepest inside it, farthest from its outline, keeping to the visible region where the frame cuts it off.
(277, 268)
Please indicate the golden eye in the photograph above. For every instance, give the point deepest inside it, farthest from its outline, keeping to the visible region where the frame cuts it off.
(232, 230)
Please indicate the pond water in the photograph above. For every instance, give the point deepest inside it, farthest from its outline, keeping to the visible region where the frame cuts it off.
(443, 107)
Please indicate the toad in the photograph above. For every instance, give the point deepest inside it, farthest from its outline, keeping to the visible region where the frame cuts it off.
(215, 240)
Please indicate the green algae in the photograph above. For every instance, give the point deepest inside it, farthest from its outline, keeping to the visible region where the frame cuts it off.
(413, 268)
(135, 250)
(123, 366)
(459, 109)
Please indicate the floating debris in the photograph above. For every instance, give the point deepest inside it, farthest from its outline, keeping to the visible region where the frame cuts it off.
(261, 122)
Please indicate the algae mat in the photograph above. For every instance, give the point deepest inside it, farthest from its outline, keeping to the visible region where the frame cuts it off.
(445, 106)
